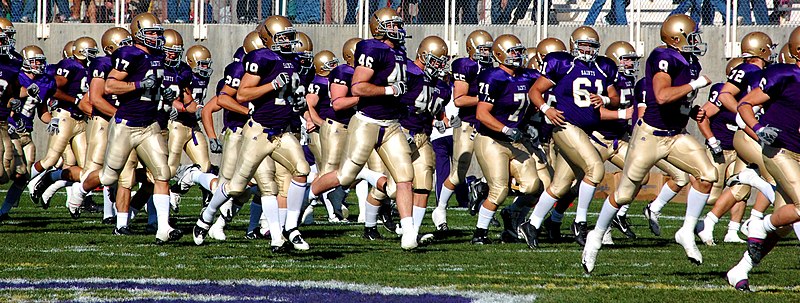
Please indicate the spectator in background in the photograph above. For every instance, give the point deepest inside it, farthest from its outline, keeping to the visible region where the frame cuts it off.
(522, 8)
(136, 7)
(469, 13)
(429, 12)
(105, 12)
(247, 11)
(710, 7)
(178, 10)
(63, 11)
(617, 9)
(782, 10)
(308, 11)
(759, 9)
(23, 11)
(685, 5)
(501, 11)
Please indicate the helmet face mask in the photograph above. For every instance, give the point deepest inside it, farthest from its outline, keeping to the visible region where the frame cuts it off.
(483, 53)
(285, 41)
(385, 23)
(85, 48)
(695, 44)
(5, 44)
(629, 64)
(34, 60)
(515, 56)
(198, 58)
(434, 66)
(479, 46)
(586, 50)
(172, 55)
(203, 68)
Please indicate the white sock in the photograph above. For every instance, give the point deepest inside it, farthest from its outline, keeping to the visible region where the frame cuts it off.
(796, 227)
(541, 209)
(407, 224)
(756, 214)
(217, 199)
(745, 262)
(282, 217)
(444, 197)
(328, 204)
(623, 210)
(122, 219)
(108, 206)
(161, 203)
(695, 202)
(710, 221)
(370, 176)
(269, 205)
(768, 227)
(294, 203)
(418, 213)
(371, 215)
(733, 227)
(484, 217)
(607, 213)
(34, 171)
(585, 195)
(663, 197)
(204, 180)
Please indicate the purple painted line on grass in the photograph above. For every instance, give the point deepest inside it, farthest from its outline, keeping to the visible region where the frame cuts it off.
(239, 291)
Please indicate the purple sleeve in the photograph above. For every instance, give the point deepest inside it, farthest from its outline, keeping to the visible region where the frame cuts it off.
(713, 95)
(338, 76)
(258, 63)
(610, 69)
(367, 55)
(553, 67)
(123, 60)
(772, 81)
(462, 71)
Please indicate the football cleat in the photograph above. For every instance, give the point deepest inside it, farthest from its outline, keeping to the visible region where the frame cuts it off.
(737, 277)
(41, 186)
(478, 191)
(200, 232)
(371, 233)
(252, 235)
(109, 220)
(308, 216)
(745, 228)
(217, 231)
(75, 200)
(607, 239)
(122, 231)
(74, 211)
(706, 236)
(481, 237)
(183, 176)
(507, 237)
(282, 248)
(529, 233)
(652, 218)
(297, 240)
(175, 201)
(168, 235)
(408, 240)
(33, 184)
(623, 225)
(89, 206)
(594, 240)
(685, 238)
(553, 229)
(385, 215)
(509, 229)
(206, 196)
(439, 217)
(425, 240)
(733, 237)
(579, 230)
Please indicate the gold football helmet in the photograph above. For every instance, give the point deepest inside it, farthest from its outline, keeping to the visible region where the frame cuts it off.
(508, 50)
(324, 62)
(145, 23)
(199, 59)
(479, 46)
(785, 56)
(385, 23)
(758, 45)
(115, 38)
(84, 48)
(432, 52)
(8, 29)
(733, 63)
(252, 42)
(349, 50)
(794, 43)
(278, 34)
(625, 56)
(33, 60)
(584, 43)
(531, 54)
(546, 46)
(173, 47)
(305, 50)
(67, 51)
(681, 32)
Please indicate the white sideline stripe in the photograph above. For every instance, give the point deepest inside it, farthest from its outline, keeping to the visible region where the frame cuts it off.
(479, 297)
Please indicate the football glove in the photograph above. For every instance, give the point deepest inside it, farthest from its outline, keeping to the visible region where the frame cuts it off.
(455, 121)
(33, 90)
(173, 113)
(399, 88)
(168, 95)
(440, 126)
(513, 134)
(280, 81)
(146, 83)
(767, 134)
(215, 145)
(715, 146)
(52, 127)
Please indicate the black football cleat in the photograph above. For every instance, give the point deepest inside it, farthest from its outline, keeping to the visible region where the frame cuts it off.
(109, 220)
(623, 225)
(478, 191)
(580, 230)
(553, 229)
(529, 233)
(199, 234)
(371, 233)
(122, 231)
(172, 236)
(481, 237)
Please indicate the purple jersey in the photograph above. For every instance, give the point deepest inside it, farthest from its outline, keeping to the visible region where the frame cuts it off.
(780, 82)
(467, 70)
(389, 66)
(638, 101)
(9, 83)
(178, 79)
(47, 87)
(100, 68)
(745, 77)
(672, 116)
(723, 124)
(343, 75)
(139, 105)
(509, 96)
(198, 87)
(435, 94)
(238, 55)
(617, 129)
(272, 110)
(574, 81)
(319, 87)
(77, 83)
(233, 77)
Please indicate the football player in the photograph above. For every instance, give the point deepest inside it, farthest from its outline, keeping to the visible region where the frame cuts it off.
(68, 125)
(40, 86)
(426, 98)
(777, 132)
(502, 110)
(757, 53)
(582, 82)
(379, 80)
(465, 96)
(672, 78)
(137, 77)
(267, 84)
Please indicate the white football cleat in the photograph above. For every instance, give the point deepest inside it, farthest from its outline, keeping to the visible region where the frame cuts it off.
(750, 176)
(439, 217)
(607, 239)
(184, 176)
(737, 276)
(297, 241)
(594, 240)
(685, 238)
(217, 230)
(74, 200)
(175, 201)
(745, 228)
(345, 212)
(733, 237)
(707, 236)
(409, 240)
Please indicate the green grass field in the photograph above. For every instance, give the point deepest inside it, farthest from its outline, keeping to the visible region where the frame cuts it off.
(47, 244)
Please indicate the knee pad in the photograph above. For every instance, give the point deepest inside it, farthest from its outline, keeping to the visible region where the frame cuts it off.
(595, 172)
(377, 194)
(347, 174)
(529, 187)
(48, 161)
(740, 192)
(682, 179)
(497, 194)
(108, 177)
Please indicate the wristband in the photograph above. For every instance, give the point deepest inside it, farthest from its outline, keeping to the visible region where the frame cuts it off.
(757, 127)
(622, 114)
(388, 90)
(606, 100)
(137, 85)
(544, 107)
(712, 140)
(742, 104)
(505, 130)
(698, 83)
